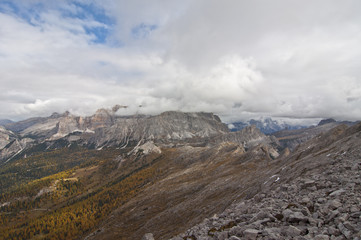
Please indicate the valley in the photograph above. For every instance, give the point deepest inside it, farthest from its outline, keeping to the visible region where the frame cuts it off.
(111, 177)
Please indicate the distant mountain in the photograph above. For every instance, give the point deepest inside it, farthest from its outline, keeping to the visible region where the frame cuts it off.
(266, 125)
(292, 138)
(124, 177)
(4, 122)
(105, 129)
(331, 120)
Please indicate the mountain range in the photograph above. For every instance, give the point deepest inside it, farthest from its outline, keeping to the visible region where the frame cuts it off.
(5, 121)
(266, 125)
(166, 176)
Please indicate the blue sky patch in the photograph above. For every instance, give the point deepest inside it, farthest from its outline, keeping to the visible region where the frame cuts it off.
(28, 15)
(76, 11)
(143, 30)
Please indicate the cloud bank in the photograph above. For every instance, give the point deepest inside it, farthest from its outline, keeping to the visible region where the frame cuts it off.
(239, 59)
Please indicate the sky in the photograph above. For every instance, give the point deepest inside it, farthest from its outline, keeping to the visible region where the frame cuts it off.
(240, 59)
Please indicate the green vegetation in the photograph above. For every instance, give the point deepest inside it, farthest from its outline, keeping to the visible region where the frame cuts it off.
(65, 193)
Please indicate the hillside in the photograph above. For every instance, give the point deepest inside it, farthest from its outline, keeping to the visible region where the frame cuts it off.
(314, 195)
(112, 177)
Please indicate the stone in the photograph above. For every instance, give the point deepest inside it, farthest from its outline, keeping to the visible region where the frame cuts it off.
(305, 211)
(321, 237)
(331, 216)
(347, 233)
(177, 238)
(337, 193)
(344, 217)
(308, 183)
(355, 215)
(148, 236)
(272, 233)
(337, 238)
(322, 200)
(300, 238)
(334, 204)
(234, 238)
(333, 231)
(291, 231)
(297, 217)
(305, 201)
(286, 214)
(313, 230)
(354, 209)
(250, 234)
(349, 226)
(222, 235)
(260, 215)
(261, 222)
(236, 231)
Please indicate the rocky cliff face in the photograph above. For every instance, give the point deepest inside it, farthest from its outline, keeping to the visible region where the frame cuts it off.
(164, 128)
(6, 137)
(105, 128)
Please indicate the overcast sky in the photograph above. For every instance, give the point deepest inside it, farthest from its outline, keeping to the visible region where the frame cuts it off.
(239, 59)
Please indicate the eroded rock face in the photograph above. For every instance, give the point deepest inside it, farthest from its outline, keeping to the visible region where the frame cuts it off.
(105, 128)
(321, 202)
(146, 148)
(5, 137)
(14, 148)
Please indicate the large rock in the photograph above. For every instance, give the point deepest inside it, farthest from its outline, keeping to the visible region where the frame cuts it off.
(250, 234)
(321, 237)
(148, 236)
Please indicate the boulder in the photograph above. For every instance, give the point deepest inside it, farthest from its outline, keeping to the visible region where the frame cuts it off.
(250, 234)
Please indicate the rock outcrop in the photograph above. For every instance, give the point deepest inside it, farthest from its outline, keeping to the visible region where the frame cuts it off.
(5, 137)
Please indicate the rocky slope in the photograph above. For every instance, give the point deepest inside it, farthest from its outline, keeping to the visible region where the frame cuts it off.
(291, 139)
(165, 174)
(195, 182)
(316, 194)
(187, 178)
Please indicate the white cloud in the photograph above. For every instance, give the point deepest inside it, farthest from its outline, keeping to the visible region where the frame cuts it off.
(238, 59)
